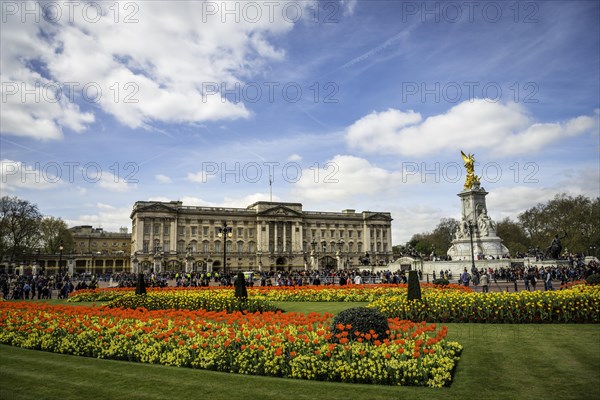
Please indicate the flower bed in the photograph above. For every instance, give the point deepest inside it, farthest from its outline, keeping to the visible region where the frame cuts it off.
(351, 293)
(220, 300)
(577, 304)
(273, 344)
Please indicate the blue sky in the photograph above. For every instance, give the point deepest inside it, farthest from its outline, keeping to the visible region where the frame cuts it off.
(347, 104)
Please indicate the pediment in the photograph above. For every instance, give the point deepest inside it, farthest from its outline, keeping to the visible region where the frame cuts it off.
(156, 208)
(280, 211)
(378, 217)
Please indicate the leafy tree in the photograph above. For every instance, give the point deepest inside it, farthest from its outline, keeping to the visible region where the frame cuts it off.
(513, 236)
(438, 241)
(54, 231)
(574, 217)
(19, 227)
(443, 234)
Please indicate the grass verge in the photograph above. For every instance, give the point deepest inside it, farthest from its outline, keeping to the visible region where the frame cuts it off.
(498, 362)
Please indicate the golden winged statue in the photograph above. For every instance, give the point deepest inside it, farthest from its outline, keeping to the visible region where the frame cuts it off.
(472, 179)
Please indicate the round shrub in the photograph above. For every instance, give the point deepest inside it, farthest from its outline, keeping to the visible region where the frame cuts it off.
(363, 320)
(441, 282)
(593, 279)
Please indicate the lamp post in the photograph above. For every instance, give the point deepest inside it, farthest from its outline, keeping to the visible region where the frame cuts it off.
(470, 224)
(225, 232)
(340, 244)
(37, 262)
(189, 259)
(136, 263)
(60, 250)
(324, 247)
(314, 253)
(157, 259)
(259, 261)
(305, 260)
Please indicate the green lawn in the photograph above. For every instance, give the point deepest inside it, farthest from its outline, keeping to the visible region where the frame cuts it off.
(498, 362)
(314, 306)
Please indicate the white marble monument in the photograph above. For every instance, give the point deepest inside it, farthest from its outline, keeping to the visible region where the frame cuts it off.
(475, 224)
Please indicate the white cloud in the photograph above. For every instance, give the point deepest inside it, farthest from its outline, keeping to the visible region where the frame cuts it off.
(159, 198)
(247, 200)
(510, 201)
(196, 201)
(131, 62)
(416, 218)
(295, 158)
(32, 104)
(15, 175)
(478, 124)
(163, 178)
(342, 177)
(236, 202)
(108, 217)
(348, 6)
(200, 176)
(113, 183)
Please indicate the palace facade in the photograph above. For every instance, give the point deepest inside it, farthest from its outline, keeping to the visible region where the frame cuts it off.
(95, 251)
(265, 236)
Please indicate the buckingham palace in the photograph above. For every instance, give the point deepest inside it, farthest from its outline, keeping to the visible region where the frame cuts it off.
(265, 236)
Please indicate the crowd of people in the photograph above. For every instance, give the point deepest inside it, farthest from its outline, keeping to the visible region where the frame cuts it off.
(25, 287)
(531, 276)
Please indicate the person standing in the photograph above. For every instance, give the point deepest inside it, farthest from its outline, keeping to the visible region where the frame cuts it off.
(26, 290)
(485, 282)
(548, 280)
(357, 279)
(465, 278)
(532, 281)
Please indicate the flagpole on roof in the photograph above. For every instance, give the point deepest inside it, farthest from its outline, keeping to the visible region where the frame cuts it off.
(270, 188)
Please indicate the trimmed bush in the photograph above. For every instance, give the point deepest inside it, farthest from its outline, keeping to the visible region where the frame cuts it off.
(140, 287)
(414, 289)
(241, 293)
(593, 279)
(369, 322)
(441, 282)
